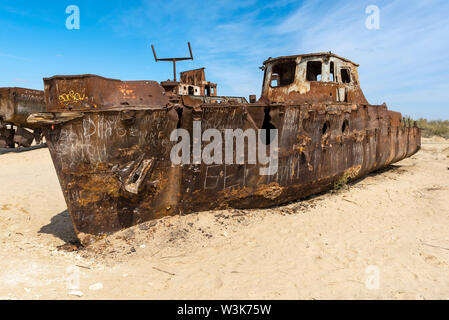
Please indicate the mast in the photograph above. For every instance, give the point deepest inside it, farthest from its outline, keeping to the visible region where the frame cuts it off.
(173, 60)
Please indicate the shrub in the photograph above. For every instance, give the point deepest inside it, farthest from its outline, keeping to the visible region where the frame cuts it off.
(431, 128)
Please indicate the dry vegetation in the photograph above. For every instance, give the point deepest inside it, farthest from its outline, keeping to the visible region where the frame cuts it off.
(431, 128)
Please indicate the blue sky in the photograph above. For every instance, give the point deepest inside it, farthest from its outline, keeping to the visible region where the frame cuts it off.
(404, 63)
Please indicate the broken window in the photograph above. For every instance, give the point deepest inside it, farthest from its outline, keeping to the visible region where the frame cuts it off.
(283, 74)
(332, 72)
(275, 80)
(314, 70)
(345, 76)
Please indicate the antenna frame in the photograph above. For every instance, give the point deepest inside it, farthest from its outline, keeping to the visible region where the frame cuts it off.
(173, 60)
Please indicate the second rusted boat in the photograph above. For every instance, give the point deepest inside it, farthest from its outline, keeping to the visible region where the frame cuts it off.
(16, 105)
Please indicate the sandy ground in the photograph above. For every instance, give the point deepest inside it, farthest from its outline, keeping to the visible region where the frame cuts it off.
(384, 237)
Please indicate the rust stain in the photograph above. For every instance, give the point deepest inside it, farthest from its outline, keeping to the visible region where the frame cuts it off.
(272, 191)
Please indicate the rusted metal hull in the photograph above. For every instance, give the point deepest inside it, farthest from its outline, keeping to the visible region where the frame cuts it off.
(111, 147)
(309, 161)
(115, 168)
(16, 105)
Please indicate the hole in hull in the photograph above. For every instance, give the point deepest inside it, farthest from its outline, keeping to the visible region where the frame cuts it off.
(268, 126)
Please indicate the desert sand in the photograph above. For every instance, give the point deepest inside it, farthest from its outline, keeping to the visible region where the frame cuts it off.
(383, 237)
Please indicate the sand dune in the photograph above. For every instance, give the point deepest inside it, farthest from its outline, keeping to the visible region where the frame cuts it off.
(384, 237)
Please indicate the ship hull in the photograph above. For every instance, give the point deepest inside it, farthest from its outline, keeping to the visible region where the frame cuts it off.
(116, 171)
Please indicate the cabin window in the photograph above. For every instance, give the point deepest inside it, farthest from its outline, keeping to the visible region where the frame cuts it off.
(345, 76)
(283, 74)
(314, 71)
(332, 72)
(275, 80)
(191, 91)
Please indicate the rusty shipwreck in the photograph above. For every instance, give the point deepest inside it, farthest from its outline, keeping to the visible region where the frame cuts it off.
(110, 140)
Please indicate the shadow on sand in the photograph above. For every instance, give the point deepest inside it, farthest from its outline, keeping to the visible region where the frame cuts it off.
(391, 167)
(20, 150)
(61, 227)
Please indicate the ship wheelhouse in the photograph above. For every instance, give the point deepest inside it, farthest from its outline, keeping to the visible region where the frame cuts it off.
(312, 78)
